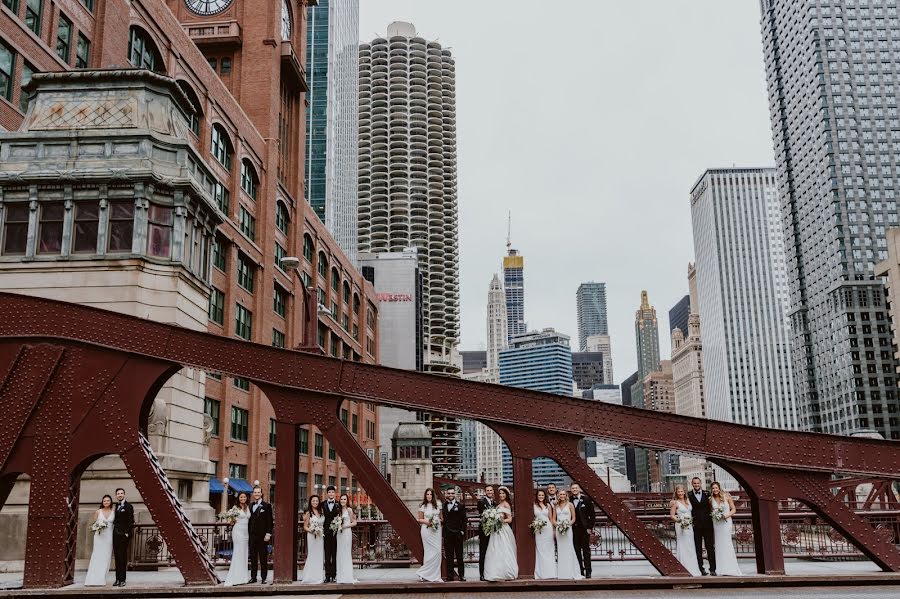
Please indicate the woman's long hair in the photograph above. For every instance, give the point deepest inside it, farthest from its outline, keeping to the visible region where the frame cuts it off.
(538, 502)
(433, 501)
(106, 497)
(313, 510)
(507, 496)
(723, 494)
(675, 493)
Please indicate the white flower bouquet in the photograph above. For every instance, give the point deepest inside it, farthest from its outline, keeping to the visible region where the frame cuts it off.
(685, 521)
(231, 514)
(537, 525)
(337, 525)
(99, 525)
(563, 526)
(718, 514)
(316, 530)
(491, 521)
(434, 522)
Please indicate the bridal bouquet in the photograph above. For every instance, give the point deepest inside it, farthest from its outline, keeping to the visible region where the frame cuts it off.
(99, 525)
(563, 526)
(491, 521)
(537, 525)
(231, 514)
(336, 525)
(316, 529)
(719, 514)
(685, 521)
(434, 522)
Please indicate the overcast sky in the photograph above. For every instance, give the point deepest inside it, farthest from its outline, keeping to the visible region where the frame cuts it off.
(591, 120)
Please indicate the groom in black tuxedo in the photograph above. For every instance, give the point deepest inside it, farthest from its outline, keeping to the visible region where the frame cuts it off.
(332, 509)
(582, 527)
(454, 514)
(486, 502)
(122, 535)
(260, 529)
(703, 525)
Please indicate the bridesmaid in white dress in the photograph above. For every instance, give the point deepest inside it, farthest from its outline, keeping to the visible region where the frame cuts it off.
(567, 567)
(726, 560)
(679, 509)
(431, 538)
(544, 549)
(500, 561)
(314, 567)
(101, 555)
(345, 543)
(239, 571)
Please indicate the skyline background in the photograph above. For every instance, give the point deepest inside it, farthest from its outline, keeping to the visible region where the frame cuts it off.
(594, 195)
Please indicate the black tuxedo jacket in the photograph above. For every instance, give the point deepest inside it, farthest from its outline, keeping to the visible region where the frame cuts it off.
(454, 519)
(584, 512)
(124, 519)
(485, 503)
(261, 521)
(701, 510)
(331, 514)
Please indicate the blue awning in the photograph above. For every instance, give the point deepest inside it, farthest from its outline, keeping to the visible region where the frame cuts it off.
(235, 485)
(215, 485)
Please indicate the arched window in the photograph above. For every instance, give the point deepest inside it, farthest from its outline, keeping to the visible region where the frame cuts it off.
(346, 293)
(282, 221)
(221, 146)
(285, 21)
(197, 114)
(323, 266)
(335, 280)
(142, 51)
(356, 304)
(308, 248)
(249, 180)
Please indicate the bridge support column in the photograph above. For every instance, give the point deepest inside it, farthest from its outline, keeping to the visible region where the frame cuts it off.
(523, 485)
(286, 542)
(767, 536)
(50, 539)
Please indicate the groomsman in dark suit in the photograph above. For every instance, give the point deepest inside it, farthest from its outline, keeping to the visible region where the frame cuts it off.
(454, 535)
(331, 507)
(582, 527)
(486, 502)
(122, 535)
(551, 494)
(260, 529)
(703, 525)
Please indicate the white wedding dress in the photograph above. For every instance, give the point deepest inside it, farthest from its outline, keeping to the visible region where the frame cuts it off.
(101, 555)
(345, 551)
(500, 561)
(431, 540)
(726, 560)
(684, 541)
(567, 567)
(314, 567)
(239, 571)
(544, 548)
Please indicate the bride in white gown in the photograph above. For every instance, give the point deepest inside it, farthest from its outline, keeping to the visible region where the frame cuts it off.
(500, 561)
(101, 555)
(239, 571)
(431, 538)
(681, 513)
(726, 560)
(544, 548)
(345, 543)
(567, 567)
(314, 567)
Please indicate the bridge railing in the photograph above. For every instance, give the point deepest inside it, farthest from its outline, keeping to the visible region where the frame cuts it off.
(376, 544)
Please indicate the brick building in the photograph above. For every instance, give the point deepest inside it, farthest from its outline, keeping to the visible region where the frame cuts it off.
(240, 63)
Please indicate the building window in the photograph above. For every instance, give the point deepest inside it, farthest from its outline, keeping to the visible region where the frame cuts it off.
(63, 38)
(82, 52)
(282, 219)
(356, 304)
(237, 471)
(15, 229)
(121, 226)
(211, 409)
(344, 487)
(345, 417)
(33, 13)
(319, 484)
(142, 52)
(243, 322)
(335, 280)
(27, 72)
(335, 346)
(222, 196)
(332, 454)
(323, 266)
(86, 227)
(51, 226)
(308, 248)
(7, 68)
(280, 254)
(247, 223)
(217, 306)
(355, 428)
(225, 65)
(280, 301)
(88, 4)
(249, 180)
(219, 253)
(319, 448)
(332, 481)
(246, 271)
(240, 424)
(242, 384)
(272, 485)
(271, 432)
(12, 5)
(197, 112)
(221, 146)
(346, 296)
(159, 230)
(277, 338)
(302, 487)
(303, 442)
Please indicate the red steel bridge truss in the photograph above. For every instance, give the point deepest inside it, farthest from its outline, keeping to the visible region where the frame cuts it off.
(77, 383)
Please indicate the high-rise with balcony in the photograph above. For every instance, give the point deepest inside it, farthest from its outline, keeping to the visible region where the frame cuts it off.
(407, 190)
(831, 68)
(331, 162)
(590, 301)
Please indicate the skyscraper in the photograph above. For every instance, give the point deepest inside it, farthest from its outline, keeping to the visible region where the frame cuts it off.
(602, 344)
(833, 102)
(590, 302)
(497, 323)
(407, 190)
(514, 286)
(678, 315)
(587, 370)
(331, 165)
(743, 297)
(646, 333)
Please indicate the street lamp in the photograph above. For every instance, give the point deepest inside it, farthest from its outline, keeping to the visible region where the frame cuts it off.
(225, 494)
(310, 308)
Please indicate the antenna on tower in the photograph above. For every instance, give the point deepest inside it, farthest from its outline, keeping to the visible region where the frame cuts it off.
(508, 231)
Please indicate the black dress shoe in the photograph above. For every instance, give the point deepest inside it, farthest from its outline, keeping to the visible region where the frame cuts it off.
(703, 572)
(461, 579)
(482, 579)
(712, 573)
(116, 583)
(251, 581)
(122, 583)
